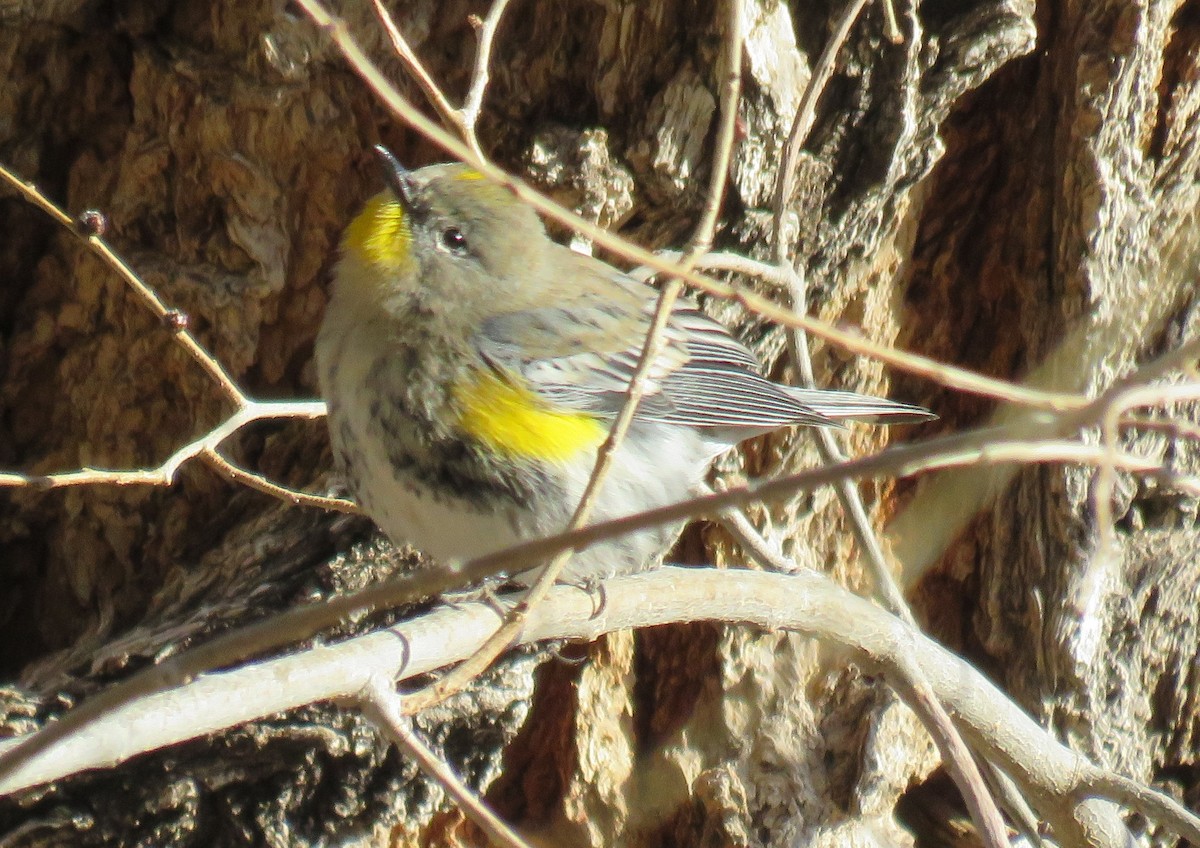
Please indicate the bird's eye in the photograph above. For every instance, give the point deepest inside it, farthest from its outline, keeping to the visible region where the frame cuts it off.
(453, 240)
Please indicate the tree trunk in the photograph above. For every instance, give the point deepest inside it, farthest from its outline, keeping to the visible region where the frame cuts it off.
(1011, 189)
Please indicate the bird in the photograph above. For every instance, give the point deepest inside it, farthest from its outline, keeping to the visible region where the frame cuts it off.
(472, 367)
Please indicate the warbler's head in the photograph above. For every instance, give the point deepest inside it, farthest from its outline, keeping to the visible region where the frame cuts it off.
(442, 231)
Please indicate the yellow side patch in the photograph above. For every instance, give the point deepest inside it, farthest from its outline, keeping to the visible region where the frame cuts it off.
(513, 421)
(469, 174)
(380, 234)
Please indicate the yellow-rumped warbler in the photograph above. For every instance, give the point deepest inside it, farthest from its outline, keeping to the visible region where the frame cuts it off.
(472, 367)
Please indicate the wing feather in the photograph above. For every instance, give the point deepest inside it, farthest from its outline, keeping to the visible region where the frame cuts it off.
(581, 354)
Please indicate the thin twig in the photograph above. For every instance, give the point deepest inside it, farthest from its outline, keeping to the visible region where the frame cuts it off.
(955, 498)
(849, 495)
(731, 93)
(1173, 427)
(248, 410)
(959, 761)
(1117, 403)
(910, 681)
(1015, 804)
(891, 27)
(480, 73)
(433, 92)
(805, 115)
(464, 120)
(261, 484)
(778, 276)
(1113, 404)
(860, 523)
(741, 528)
(380, 703)
(172, 319)
(164, 474)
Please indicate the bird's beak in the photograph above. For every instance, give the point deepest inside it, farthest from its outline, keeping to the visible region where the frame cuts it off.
(398, 178)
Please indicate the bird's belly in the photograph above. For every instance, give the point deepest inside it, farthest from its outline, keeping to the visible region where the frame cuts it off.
(445, 527)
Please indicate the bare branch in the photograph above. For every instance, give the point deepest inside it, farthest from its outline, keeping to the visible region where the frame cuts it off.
(473, 102)
(170, 318)
(433, 92)
(795, 284)
(465, 120)
(89, 230)
(164, 474)
(380, 703)
(806, 602)
(805, 114)
(891, 27)
(960, 763)
(261, 484)
(1171, 426)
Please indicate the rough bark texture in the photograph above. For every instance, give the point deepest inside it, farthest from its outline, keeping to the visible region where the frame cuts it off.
(1012, 189)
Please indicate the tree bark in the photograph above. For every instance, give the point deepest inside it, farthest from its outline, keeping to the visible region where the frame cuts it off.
(1010, 189)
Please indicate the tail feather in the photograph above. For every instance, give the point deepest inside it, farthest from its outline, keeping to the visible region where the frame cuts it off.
(850, 406)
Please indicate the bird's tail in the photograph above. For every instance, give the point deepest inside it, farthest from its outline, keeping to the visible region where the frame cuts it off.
(849, 406)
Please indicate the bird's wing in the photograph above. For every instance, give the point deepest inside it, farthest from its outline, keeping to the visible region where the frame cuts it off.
(581, 353)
